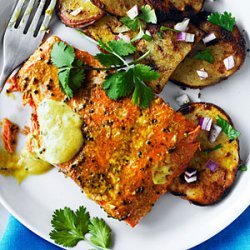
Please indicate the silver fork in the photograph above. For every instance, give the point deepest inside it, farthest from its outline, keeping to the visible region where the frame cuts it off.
(17, 44)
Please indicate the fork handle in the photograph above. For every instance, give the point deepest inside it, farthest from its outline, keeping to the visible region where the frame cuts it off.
(4, 76)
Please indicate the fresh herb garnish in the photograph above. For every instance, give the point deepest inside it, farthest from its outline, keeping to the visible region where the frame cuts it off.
(70, 74)
(209, 150)
(225, 20)
(100, 233)
(70, 227)
(205, 55)
(163, 28)
(126, 80)
(227, 128)
(147, 15)
(243, 168)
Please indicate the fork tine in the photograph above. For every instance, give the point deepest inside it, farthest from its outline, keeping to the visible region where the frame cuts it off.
(37, 16)
(26, 15)
(16, 13)
(47, 18)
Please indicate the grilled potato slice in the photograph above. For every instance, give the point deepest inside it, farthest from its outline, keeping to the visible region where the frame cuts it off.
(176, 9)
(78, 13)
(210, 187)
(166, 52)
(118, 7)
(107, 29)
(225, 45)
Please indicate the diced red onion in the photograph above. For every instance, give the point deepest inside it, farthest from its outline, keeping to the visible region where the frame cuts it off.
(206, 123)
(133, 12)
(214, 133)
(229, 62)
(185, 37)
(126, 38)
(212, 165)
(182, 99)
(76, 12)
(147, 32)
(190, 179)
(209, 38)
(182, 26)
(202, 73)
(190, 172)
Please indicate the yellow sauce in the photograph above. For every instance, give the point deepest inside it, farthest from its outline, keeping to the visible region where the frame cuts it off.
(60, 136)
(21, 165)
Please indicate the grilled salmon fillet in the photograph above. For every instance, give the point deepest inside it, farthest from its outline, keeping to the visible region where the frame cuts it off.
(130, 155)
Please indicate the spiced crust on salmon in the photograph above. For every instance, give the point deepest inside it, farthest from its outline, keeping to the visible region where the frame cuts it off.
(130, 155)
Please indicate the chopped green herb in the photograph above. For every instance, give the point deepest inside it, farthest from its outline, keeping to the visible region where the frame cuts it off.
(133, 24)
(225, 20)
(205, 55)
(70, 74)
(123, 83)
(209, 150)
(100, 233)
(227, 128)
(70, 227)
(243, 168)
(147, 16)
(163, 28)
(159, 34)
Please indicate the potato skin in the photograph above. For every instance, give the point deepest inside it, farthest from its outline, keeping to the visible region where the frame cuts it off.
(166, 52)
(89, 14)
(175, 9)
(210, 187)
(106, 29)
(226, 44)
(118, 7)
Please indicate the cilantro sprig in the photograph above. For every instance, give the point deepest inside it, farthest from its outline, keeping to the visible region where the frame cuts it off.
(71, 227)
(205, 55)
(125, 79)
(225, 20)
(70, 73)
(227, 128)
(147, 15)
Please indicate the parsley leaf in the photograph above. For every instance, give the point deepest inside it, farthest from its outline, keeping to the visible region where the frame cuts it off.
(100, 233)
(122, 48)
(62, 55)
(148, 14)
(132, 24)
(123, 83)
(143, 95)
(70, 72)
(145, 73)
(64, 79)
(225, 20)
(118, 85)
(243, 168)
(227, 128)
(108, 59)
(205, 55)
(69, 227)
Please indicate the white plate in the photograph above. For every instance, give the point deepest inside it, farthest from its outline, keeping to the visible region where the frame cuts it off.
(173, 223)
